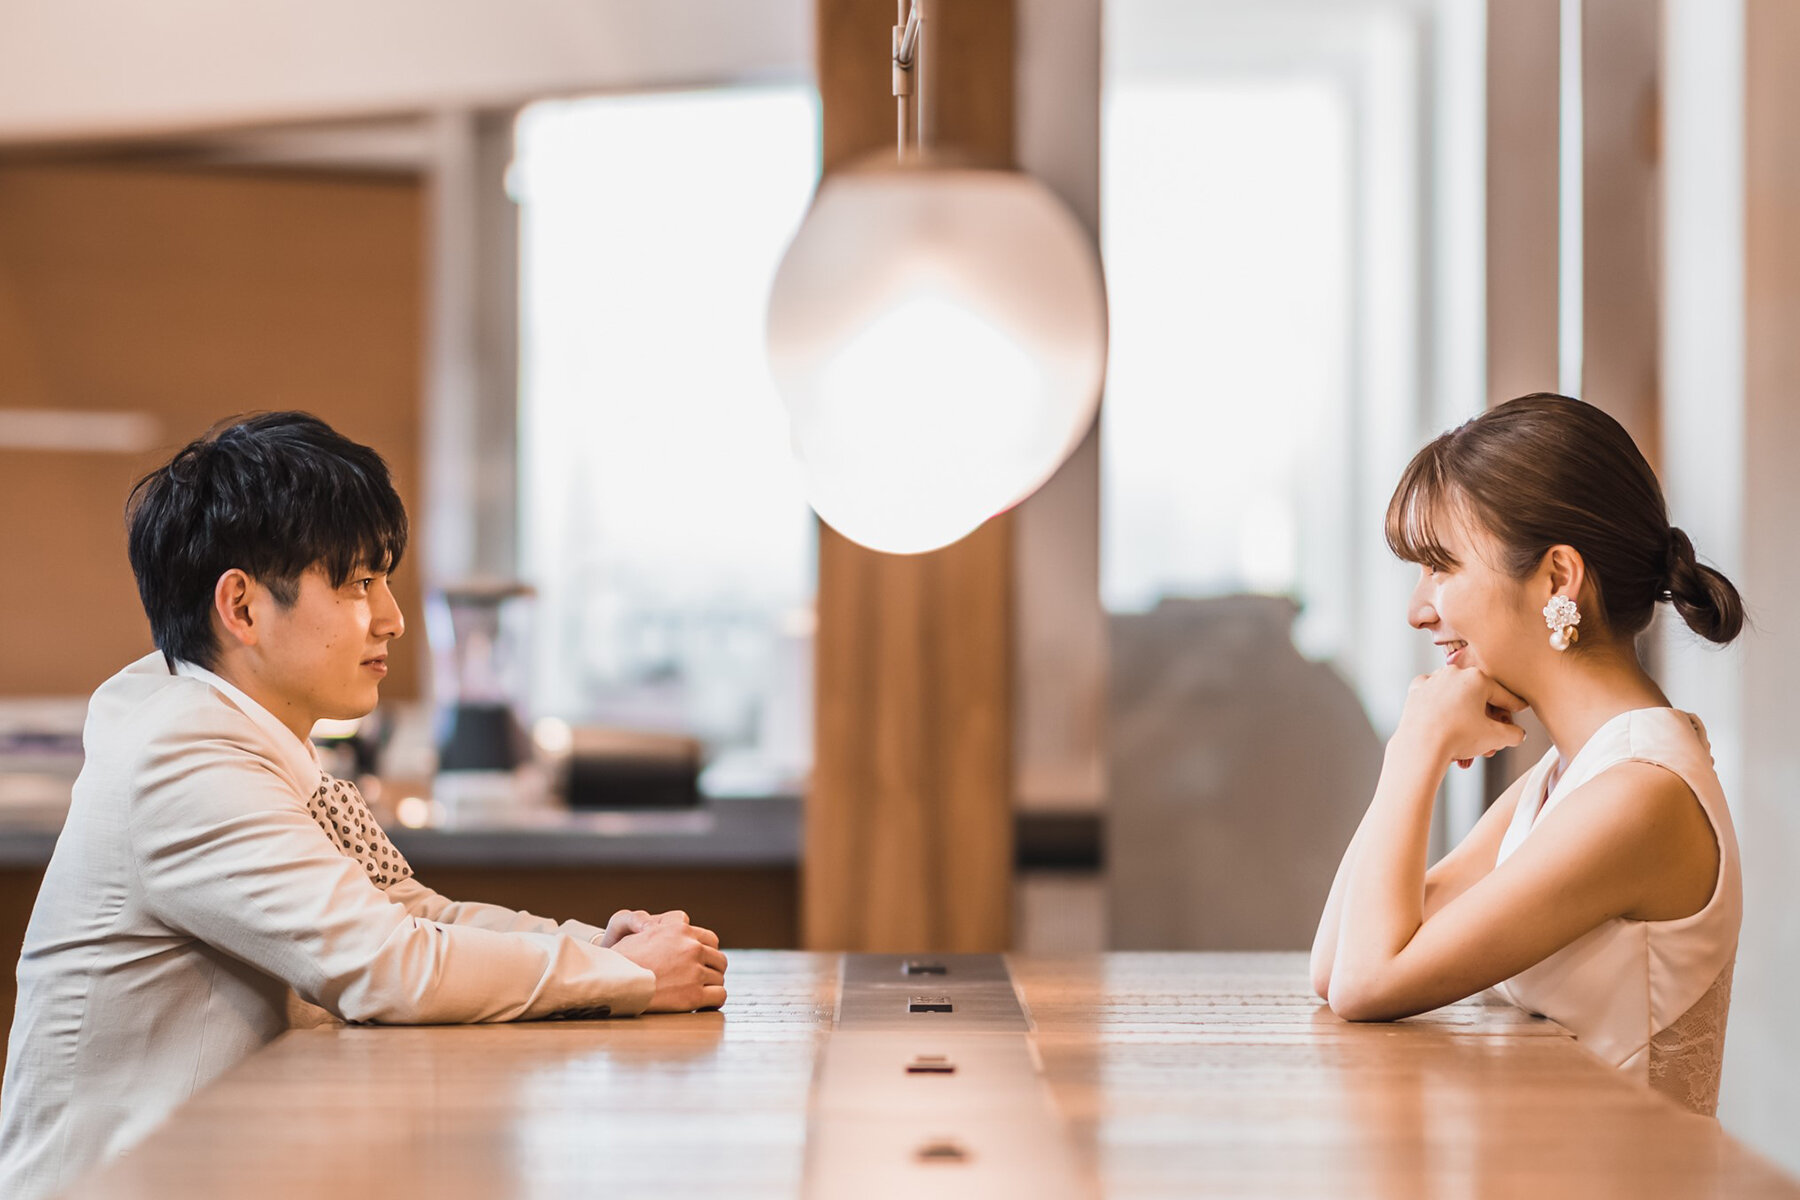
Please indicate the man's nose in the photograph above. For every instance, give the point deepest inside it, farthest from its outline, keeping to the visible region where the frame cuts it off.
(388, 615)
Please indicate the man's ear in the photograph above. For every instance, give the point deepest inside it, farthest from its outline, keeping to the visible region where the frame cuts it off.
(1568, 573)
(232, 596)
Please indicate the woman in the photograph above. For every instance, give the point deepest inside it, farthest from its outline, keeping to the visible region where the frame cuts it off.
(1602, 889)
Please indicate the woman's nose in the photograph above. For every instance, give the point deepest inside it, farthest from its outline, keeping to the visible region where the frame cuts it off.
(1420, 611)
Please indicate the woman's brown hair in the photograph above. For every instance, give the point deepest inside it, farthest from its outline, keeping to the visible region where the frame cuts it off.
(1546, 470)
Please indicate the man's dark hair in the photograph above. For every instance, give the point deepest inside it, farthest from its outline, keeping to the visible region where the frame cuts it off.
(271, 494)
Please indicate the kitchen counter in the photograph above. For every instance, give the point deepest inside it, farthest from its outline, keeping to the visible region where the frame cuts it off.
(760, 832)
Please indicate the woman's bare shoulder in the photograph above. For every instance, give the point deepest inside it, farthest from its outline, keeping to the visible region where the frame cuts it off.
(1674, 850)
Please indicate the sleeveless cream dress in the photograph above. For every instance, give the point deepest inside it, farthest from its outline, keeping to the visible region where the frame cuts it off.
(1649, 997)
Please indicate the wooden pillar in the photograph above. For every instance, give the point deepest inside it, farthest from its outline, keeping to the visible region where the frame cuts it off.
(1523, 238)
(1522, 196)
(1621, 48)
(908, 842)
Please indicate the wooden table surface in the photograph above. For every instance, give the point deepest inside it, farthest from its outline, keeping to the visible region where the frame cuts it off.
(1176, 1075)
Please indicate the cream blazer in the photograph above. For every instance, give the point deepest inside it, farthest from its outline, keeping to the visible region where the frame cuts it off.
(190, 890)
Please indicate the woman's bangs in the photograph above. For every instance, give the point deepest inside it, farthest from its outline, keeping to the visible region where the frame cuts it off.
(1417, 513)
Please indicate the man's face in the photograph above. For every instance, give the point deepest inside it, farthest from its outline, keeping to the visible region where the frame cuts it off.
(326, 654)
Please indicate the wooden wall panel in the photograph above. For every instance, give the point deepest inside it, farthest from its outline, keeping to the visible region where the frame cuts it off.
(189, 296)
(1621, 231)
(909, 817)
(1061, 669)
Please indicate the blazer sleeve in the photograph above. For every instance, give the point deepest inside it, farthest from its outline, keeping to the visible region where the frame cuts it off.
(225, 852)
(421, 901)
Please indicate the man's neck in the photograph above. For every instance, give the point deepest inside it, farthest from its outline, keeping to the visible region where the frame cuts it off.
(241, 675)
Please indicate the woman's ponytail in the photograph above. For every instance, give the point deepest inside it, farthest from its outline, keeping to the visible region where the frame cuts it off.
(1706, 600)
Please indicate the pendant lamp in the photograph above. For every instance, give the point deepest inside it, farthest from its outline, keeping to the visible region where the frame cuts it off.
(937, 332)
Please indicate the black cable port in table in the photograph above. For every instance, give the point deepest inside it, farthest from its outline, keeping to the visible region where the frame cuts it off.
(931, 1064)
(943, 1150)
(929, 1004)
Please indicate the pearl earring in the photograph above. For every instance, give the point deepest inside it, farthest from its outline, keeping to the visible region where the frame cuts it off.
(1563, 619)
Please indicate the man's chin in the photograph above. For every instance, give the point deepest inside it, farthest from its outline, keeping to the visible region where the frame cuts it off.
(356, 708)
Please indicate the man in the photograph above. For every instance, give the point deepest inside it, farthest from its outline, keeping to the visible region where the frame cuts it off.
(207, 866)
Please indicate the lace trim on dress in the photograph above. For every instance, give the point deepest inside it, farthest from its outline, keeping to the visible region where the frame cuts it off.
(1686, 1058)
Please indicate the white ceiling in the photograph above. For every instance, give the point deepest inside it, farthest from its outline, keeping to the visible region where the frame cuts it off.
(81, 69)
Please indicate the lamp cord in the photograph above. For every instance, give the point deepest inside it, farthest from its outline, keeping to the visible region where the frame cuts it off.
(907, 93)
(909, 38)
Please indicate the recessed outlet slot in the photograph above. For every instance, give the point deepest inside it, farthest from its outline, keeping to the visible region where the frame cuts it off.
(917, 966)
(929, 1004)
(942, 1150)
(931, 1064)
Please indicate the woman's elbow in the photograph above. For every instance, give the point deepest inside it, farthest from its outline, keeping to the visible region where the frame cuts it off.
(1356, 1000)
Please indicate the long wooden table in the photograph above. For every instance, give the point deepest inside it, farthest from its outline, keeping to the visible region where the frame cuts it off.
(1171, 1075)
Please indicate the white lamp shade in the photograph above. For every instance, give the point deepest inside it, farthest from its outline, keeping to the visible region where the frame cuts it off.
(939, 338)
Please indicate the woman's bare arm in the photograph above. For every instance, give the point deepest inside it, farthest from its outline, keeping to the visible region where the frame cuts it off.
(1454, 874)
(1474, 856)
(1626, 843)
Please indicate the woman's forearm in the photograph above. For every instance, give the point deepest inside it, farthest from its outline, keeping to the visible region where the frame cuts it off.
(1324, 947)
(1325, 941)
(1383, 884)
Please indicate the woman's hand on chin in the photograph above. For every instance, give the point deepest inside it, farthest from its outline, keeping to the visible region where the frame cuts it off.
(1459, 714)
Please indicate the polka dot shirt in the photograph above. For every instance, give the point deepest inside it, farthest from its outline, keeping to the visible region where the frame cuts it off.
(344, 815)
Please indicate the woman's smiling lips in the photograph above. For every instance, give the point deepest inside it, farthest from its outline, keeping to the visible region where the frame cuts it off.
(1451, 650)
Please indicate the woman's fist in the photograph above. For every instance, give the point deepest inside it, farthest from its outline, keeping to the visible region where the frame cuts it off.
(1460, 714)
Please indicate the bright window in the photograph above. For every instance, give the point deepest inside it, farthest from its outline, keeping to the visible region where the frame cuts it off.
(662, 518)
(1227, 238)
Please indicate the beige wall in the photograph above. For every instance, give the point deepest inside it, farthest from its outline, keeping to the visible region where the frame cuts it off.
(1731, 372)
(1764, 1096)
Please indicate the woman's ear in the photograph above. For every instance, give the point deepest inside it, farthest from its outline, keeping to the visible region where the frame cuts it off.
(1568, 574)
(232, 595)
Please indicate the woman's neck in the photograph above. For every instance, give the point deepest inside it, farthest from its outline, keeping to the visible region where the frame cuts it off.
(1585, 689)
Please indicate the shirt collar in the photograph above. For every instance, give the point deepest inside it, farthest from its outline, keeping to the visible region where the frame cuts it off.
(297, 753)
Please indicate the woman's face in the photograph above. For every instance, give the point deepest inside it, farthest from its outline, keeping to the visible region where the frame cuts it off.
(1478, 614)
